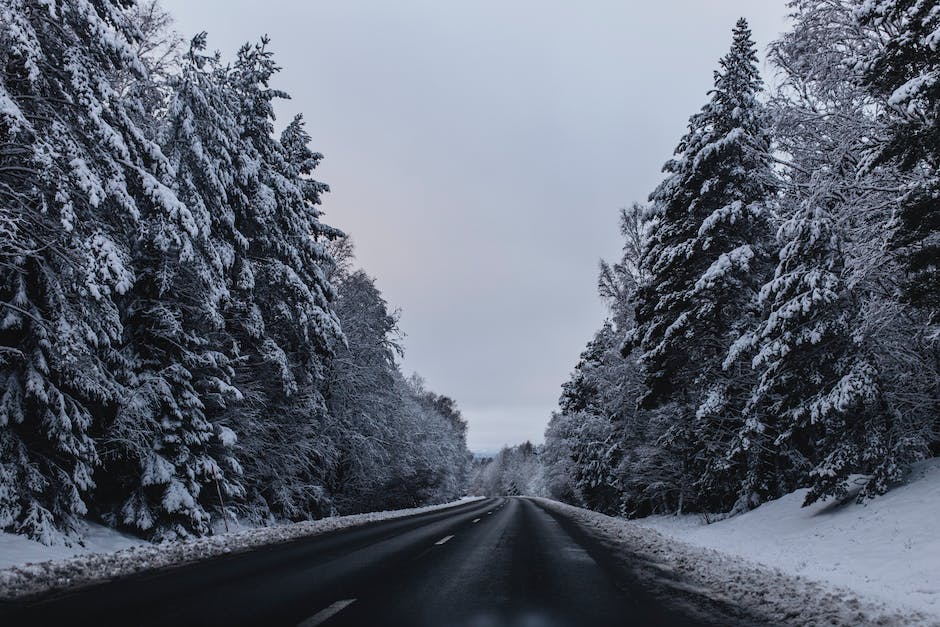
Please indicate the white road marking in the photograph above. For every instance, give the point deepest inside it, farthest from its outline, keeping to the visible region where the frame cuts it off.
(476, 520)
(489, 513)
(444, 539)
(326, 613)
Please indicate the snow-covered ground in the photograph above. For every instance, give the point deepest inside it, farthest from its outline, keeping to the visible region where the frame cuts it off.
(16, 549)
(887, 548)
(769, 594)
(29, 567)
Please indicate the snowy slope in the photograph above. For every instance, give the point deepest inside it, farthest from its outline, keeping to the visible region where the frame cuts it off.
(40, 568)
(707, 576)
(886, 549)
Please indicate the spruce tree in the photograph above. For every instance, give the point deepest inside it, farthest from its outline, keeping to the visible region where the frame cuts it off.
(816, 386)
(582, 392)
(171, 447)
(281, 313)
(706, 257)
(587, 399)
(77, 175)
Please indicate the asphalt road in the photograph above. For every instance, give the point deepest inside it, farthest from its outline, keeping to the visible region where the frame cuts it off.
(486, 563)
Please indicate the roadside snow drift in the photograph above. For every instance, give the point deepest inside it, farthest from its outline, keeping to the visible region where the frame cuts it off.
(28, 578)
(768, 595)
(16, 549)
(886, 549)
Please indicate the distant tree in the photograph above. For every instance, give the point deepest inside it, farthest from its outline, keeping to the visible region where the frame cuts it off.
(514, 471)
(362, 393)
(397, 444)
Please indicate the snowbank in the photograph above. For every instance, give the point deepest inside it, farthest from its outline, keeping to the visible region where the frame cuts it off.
(16, 549)
(886, 549)
(776, 597)
(86, 565)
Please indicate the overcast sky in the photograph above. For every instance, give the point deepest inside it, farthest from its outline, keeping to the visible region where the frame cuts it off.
(477, 152)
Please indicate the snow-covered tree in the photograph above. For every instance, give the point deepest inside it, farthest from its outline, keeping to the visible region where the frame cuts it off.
(814, 378)
(430, 454)
(905, 70)
(160, 50)
(361, 392)
(170, 453)
(452, 463)
(822, 408)
(77, 175)
(599, 439)
(168, 324)
(280, 312)
(558, 459)
(706, 257)
(514, 471)
(596, 421)
(768, 365)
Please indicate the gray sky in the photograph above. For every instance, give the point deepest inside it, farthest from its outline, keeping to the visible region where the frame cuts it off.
(478, 151)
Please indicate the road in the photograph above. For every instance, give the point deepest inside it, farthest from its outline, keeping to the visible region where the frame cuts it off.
(486, 563)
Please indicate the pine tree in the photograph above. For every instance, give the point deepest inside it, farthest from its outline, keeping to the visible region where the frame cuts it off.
(705, 260)
(906, 70)
(281, 314)
(76, 176)
(168, 429)
(814, 378)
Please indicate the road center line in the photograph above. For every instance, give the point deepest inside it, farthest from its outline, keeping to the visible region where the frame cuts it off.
(476, 520)
(326, 613)
(444, 539)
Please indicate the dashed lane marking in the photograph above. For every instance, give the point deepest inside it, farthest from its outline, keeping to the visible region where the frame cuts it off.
(444, 539)
(326, 613)
(476, 520)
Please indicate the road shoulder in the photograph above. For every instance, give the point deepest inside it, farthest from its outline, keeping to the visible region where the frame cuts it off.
(717, 581)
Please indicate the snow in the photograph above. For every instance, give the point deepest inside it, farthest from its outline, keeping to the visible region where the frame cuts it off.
(87, 181)
(909, 91)
(737, 259)
(776, 596)
(886, 549)
(30, 568)
(226, 436)
(107, 268)
(10, 111)
(728, 213)
(16, 549)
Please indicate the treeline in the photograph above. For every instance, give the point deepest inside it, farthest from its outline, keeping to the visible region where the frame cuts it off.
(775, 316)
(178, 326)
(514, 471)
